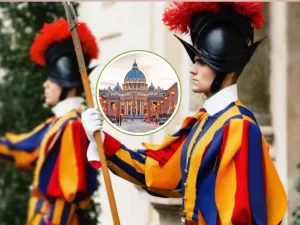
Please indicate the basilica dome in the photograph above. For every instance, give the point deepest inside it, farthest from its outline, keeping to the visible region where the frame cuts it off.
(135, 74)
(151, 88)
(117, 87)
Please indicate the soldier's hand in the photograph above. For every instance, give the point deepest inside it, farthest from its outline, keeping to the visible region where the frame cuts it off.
(92, 121)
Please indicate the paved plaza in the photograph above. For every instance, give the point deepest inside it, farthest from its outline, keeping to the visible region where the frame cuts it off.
(137, 126)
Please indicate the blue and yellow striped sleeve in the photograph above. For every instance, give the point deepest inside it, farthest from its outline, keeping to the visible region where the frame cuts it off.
(23, 149)
(155, 168)
(144, 167)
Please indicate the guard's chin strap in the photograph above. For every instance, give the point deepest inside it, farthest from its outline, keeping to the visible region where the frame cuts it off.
(64, 93)
(218, 81)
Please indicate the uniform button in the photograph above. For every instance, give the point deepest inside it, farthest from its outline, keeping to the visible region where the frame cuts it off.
(184, 198)
(185, 184)
(186, 171)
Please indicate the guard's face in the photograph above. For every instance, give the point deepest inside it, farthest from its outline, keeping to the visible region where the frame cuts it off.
(202, 76)
(52, 92)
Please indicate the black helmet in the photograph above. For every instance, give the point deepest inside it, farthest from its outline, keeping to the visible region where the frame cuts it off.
(62, 66)
(53, 48)
(222, 34)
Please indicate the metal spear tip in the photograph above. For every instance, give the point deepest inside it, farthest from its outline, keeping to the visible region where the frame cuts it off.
(70, 14)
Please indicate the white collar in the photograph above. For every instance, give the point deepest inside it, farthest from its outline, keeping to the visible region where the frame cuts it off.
(221, 100)
(66, 106)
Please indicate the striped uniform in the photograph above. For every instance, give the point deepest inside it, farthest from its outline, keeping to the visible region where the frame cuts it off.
(218, 164)
(63, 180)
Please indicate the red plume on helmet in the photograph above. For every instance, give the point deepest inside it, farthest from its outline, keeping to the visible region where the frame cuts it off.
(178, 15)
(57, 32)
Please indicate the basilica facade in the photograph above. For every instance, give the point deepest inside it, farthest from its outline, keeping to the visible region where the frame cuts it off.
(136, 99)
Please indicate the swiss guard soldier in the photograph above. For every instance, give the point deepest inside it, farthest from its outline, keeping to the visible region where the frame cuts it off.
(64, 181)
(218, 162)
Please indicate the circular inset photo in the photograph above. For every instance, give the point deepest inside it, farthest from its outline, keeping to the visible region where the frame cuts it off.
(139, 92)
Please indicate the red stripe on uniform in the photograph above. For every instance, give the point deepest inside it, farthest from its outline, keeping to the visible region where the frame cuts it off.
(241, 213)
(81, 145)
(54, 189)
(110, 145)
(224, 142)
(49, 142)
(162, 156)
(95, 164)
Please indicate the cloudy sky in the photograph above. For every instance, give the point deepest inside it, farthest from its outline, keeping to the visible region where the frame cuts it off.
(155, 69)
